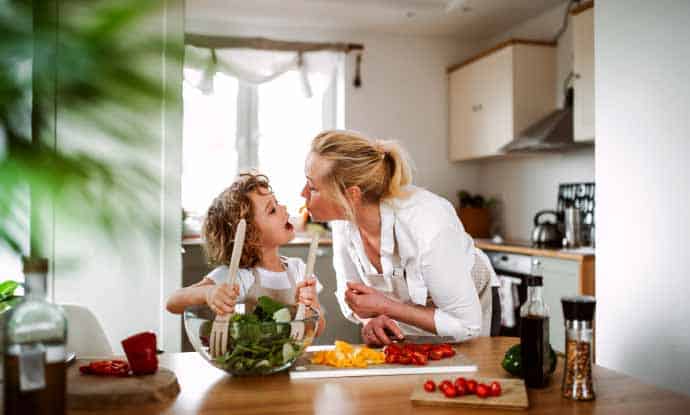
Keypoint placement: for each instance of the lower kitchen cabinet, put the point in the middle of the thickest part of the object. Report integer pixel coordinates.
(561, 278)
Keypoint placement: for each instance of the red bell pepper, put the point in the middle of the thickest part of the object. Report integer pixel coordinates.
(141, 353)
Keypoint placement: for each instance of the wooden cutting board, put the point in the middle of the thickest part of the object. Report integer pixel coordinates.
(103, 392)
(513, 395)
(304, 369)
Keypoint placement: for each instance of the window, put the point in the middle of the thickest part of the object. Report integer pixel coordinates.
(238, 126)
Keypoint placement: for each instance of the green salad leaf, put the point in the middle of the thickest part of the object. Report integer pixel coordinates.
(257, 342)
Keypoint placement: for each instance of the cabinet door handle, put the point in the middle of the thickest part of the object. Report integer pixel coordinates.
(321, 252)
(476, 108)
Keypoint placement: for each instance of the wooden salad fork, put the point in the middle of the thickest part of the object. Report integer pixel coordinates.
(219, 330)
(297, 327)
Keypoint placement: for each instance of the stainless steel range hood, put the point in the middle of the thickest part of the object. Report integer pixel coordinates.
(552, 133)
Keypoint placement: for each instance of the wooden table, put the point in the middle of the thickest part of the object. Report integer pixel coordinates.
(206, 390)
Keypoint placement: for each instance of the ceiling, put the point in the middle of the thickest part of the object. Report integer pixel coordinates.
(467, 19)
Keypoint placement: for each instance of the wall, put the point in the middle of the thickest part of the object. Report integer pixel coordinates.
(526, 185)
(403, 96)
(643, 178)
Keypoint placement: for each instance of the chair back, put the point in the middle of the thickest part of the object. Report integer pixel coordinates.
(85, 335)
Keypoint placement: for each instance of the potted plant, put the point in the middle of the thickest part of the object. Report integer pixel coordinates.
(79, 104)
(475, 213)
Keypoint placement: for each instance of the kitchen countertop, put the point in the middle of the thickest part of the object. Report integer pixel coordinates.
(523, 247)
(206, 390)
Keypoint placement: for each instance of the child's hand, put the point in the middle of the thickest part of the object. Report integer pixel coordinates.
(221, 298)
(306, 293)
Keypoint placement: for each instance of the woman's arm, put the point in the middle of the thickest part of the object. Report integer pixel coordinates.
(446, 266)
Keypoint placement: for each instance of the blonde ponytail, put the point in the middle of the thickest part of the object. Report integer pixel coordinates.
(380, 168)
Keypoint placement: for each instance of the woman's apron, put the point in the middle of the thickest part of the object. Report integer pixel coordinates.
(395, 287)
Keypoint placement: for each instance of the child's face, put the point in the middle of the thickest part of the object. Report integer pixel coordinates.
(271, 219)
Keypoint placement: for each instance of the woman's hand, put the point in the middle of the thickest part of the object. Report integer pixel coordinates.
(306, 293)
(221, 298)
(365, 301)
(379, 330)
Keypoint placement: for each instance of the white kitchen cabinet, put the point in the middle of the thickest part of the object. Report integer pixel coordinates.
(583, 66)
(496, 95)
(561, 278)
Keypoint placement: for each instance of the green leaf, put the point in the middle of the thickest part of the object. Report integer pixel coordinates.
(7, 289)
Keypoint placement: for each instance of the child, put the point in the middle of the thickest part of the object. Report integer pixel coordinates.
(262, 271)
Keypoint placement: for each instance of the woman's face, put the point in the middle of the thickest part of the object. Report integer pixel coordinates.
(272, 219)
(321, 206)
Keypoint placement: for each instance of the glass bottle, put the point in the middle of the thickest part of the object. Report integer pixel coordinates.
(578, 312)
(35, 336)
(534, 335)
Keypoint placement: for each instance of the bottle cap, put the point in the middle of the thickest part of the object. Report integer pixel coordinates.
(534, 281)
(579, 307)
(34, 264)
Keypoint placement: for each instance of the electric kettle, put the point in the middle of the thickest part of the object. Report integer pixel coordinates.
(546, 233)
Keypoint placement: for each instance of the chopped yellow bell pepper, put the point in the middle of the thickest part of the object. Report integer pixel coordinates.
(347, 355)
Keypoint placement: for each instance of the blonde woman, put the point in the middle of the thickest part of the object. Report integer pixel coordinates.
(403, 261)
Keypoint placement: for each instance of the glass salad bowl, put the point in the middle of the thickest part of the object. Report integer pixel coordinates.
(265, 341)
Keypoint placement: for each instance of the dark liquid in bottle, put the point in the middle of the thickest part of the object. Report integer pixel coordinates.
(534, 340)
(49, 400)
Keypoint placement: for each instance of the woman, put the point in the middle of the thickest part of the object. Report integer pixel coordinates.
(403, 261)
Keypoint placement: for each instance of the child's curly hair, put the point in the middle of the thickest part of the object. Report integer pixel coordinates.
(225, 213)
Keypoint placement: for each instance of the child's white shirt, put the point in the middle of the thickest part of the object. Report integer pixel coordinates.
(277, 280)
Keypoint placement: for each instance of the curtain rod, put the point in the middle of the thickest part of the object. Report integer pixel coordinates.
(232, 42)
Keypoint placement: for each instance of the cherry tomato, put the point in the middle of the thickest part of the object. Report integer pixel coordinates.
(404, 359)
(460, 382)
(429, 386)
(495, 388)
(471, 386)
(424, 348)
(393, 348)
(450, 391)
(419, 358)
(392, 358)
(447, 350)
(445, 383)
(436, 354)
(483, 391)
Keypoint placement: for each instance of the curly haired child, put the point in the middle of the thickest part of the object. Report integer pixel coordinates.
(262, 270)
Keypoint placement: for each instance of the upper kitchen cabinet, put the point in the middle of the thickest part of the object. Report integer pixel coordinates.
(497, 94)
(583, 66)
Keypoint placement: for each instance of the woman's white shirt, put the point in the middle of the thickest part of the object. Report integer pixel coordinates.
(276, 280)
(435, 252)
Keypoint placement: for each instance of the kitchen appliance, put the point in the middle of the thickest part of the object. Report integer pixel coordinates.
(512, 271)
(579, 347)
(580, 196)
(554, 132)
(573, 229)
(546, 233)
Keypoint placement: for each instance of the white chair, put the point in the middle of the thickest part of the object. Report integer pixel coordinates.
(85, 335)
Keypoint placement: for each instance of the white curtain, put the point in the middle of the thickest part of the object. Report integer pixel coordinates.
(258, 66)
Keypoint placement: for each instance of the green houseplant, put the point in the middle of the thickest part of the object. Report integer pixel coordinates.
(76, 102)
(475, 213)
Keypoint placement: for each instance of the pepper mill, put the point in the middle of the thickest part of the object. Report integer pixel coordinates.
(578, 312)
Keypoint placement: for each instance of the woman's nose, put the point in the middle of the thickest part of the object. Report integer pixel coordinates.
(305, 192)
